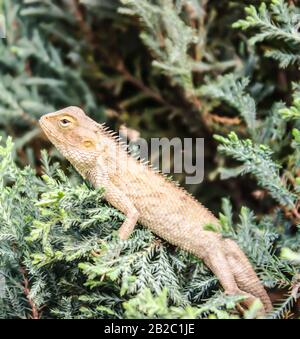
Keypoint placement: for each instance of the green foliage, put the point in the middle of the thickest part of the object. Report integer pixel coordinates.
(37, 76)
(231, 89)
(168, 37)
(293, 112)
(278, 22)
(289, 255)
(257, 161)
(59, 240)
(257, 240)
(146, 306)
(164, 68)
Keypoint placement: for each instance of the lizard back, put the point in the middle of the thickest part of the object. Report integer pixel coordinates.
(168, 210)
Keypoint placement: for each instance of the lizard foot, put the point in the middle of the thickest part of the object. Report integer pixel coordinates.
(246, 304)
(244, 275)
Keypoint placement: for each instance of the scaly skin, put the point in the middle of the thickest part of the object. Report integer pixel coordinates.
(146, 196)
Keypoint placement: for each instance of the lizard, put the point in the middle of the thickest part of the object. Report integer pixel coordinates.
(145, 196)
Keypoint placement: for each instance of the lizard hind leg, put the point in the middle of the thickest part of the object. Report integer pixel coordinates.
(222, 265)
(244, 273)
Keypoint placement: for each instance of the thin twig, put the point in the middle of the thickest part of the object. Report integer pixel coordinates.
(34, 309)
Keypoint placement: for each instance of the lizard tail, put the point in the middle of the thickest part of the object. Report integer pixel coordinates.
(244, 273)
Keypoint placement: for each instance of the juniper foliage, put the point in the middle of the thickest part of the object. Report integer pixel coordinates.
(166, 68)
(276, 22)
(61, 256)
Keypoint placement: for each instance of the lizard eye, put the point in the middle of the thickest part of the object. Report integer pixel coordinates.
(64, 122)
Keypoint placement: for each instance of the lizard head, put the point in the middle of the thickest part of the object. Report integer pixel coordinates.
(74, 134)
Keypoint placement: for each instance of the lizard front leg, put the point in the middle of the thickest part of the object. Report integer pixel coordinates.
(117, 198)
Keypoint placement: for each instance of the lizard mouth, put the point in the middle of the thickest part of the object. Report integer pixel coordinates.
(45, 128)
(52, 136)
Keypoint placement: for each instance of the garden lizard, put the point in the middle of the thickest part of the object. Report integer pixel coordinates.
(147, 197)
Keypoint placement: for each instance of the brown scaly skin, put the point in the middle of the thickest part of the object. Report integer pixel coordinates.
(147, 197)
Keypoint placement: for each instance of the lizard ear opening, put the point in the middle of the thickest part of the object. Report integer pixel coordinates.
(88, 143)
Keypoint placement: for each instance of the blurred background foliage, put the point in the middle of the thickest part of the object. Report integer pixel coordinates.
(163, 68)
(60, 53)
(146, 74)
